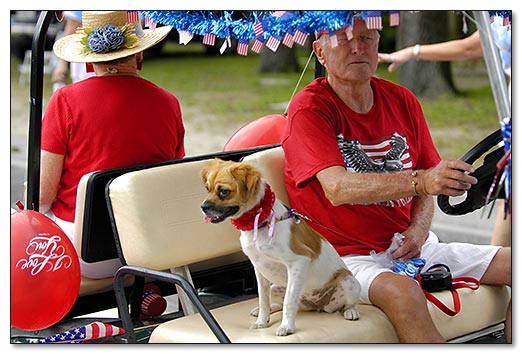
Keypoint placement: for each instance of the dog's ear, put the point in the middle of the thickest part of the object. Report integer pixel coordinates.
(209, 166)
(249, 176)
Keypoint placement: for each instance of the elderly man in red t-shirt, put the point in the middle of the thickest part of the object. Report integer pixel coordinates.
(360, 162)
(110, 120)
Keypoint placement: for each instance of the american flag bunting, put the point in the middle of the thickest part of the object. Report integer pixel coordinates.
(150, 23)
(93, 330)
(288, 40)
(242, 48)
(133, 16)
(278, 13)
(374, 20)
(258, 29)
(395, 18)
(300, 37)
(184, 36)
(257, 46)
(209, 39)
(273, 43)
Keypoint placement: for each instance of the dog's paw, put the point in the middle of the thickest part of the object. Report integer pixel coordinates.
(351, 314)
(285, 330)
(273, 308)
(259, 324)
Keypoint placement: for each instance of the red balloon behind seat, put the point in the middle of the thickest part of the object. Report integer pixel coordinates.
(262, 131)
(45, 271)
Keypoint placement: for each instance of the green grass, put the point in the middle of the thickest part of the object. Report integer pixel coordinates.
(228, 91)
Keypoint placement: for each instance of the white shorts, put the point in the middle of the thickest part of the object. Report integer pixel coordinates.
(95, 270)
(463, 259)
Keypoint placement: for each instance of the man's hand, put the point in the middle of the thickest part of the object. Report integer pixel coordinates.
(449, 177)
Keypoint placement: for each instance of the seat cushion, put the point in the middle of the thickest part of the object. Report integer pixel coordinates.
(480, 309)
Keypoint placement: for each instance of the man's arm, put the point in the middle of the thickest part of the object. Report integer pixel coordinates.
(449, 177)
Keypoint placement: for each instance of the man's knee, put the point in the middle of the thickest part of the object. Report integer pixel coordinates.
(499, 270)
(394, 291)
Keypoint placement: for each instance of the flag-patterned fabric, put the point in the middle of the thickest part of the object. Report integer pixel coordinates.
(93, 330)
(374, 20)
(209, 39)
(242, 48)
(257, 46)
(288, 40)
(133, 16)
(273, 43)
(150, 23)
(258, 29)
(184, 36)
(394, 18)
(300, 37)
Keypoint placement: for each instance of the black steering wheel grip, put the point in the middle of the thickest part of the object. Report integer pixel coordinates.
(476, 196)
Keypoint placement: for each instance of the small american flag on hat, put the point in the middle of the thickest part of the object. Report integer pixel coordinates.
(300, 37)
(258, 45)
(184, 36)
(374, 20)
(91, 331)
(278, 13)
(133, 16)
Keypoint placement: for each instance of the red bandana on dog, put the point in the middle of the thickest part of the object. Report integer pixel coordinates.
(248, 220)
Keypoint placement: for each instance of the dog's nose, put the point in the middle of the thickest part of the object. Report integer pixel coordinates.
(206, 206)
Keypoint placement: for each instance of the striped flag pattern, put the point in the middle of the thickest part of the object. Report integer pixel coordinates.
(257, 46)
(300, 37)
(374, 20)
(242, 48)
(209, 39)
(394, 18)
(273, 43)
(288, 40)
(258, 29)
(91, 331)
(150, 23)
(133, 16)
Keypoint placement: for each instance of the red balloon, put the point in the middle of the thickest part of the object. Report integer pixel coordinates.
(45, 271)
(266, 130)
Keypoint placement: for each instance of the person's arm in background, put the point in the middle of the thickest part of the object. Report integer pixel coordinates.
(459, 49)
(61, 70)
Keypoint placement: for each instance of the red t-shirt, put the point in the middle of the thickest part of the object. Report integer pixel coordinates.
(392, 136)
(108, 122)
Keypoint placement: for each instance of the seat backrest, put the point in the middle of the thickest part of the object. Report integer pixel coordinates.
(158, 219)
(93, 231)
(271, 164)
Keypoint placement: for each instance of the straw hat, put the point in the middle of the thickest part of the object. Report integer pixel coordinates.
(105, 36)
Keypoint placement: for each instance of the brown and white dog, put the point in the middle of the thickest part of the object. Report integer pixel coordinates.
(284, 250)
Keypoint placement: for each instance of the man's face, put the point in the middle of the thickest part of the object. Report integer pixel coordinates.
(353, 60)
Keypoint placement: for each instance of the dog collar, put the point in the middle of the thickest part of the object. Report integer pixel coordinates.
(250, 219)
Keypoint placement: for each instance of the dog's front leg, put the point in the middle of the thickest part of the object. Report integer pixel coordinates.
(297, 271)
(263, 286)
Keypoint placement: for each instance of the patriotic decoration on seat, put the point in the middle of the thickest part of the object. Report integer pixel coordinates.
(93, 330)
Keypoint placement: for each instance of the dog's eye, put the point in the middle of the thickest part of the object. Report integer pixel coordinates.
(223, 193)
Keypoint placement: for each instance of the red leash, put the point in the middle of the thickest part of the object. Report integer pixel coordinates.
(457, 283)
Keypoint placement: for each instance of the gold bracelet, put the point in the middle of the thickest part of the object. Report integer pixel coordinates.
(414, 182)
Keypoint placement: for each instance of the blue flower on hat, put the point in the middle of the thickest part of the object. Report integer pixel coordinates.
(103, 40)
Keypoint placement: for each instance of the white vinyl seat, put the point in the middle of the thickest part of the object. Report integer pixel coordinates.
(160, 226)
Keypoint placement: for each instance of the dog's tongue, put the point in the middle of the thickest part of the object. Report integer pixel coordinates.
(207, 218)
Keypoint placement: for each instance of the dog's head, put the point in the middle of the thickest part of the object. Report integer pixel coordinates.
(233, 188)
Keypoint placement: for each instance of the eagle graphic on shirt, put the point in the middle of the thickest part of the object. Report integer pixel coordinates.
(389, 155)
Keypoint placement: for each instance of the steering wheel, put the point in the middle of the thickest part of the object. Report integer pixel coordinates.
(477, 194)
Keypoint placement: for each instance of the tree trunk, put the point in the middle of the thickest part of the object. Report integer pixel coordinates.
(282, 60)
(424, 78)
